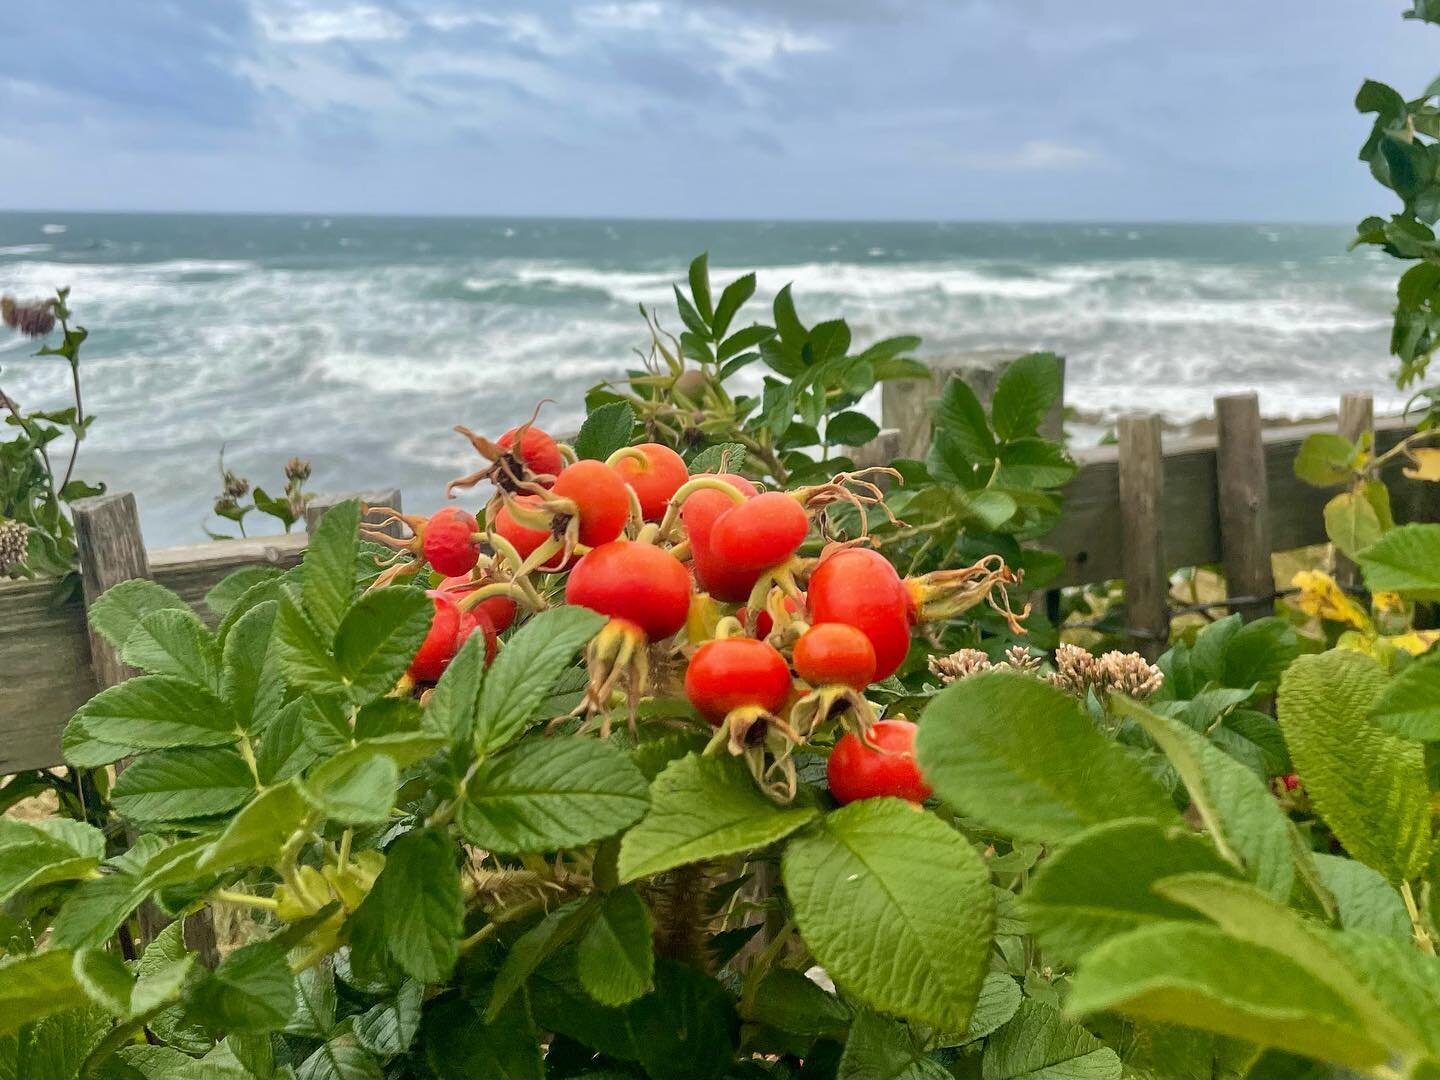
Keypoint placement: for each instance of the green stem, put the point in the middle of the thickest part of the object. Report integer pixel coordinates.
(507, 916)
(1423, 940)
(264, 903)
(79, 411)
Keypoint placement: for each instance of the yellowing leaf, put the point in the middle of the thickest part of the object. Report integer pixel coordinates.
(1415, 642)
(1427, 465)
(1322, 597)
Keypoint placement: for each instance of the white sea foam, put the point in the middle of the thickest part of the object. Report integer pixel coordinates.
(24, 249)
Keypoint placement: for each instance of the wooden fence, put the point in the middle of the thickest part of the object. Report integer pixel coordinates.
(1131, 512)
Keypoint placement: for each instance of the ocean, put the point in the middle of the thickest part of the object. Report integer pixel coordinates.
(358, 342)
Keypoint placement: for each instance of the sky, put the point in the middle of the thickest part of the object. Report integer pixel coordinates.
(870, 109)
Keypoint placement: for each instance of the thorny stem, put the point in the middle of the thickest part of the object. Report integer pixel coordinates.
(760, 966)
(509, 915)
(1423, 941)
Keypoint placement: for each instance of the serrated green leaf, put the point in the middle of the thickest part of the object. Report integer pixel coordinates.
(732, 298)
(1250, 916)
(1028, 388)
(120, 608)
(174, 642)
(283, 751)
(413, 914)
(1351, 523)
(703, 808)
(460, 1045)
(378, 637)
(1020, 756)
(605, 430)
(999, 1000)
(104, 979)
(1368, 784)
(34, 986)
(896, 906)
(151, 712)
(1099, 885)
(257, 833)
(175, 785)
(304, 650)
(552, 933)
(1409, 706)
(790, 1001)
(329, 566)
(877, 1048)
(224, 595)
(389, 1028)
(342, 1058)
(1198, 976)
(250, 681)
(960, 419)
(616, 956)
(355, 788)
(1235, 805)
(44, 852)
(1405, 560)
(850, 429)
(1365, 900)
(1033, 463)
(552, 794)
(1041, 1044)
(526, 670)
(723, 457)
(252, 990)
(450, 712)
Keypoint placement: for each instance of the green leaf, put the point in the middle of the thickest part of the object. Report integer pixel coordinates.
(850, 429)
(732, 299)
(1034, 463)
(1257, 654)
(304, 650)
(450, 712)
(747, 337)
(552, 794)
(414, 912)
(881, 1049)
(1366, 901)
(173, 642)
(250, 681)
(151, 712)
(227, 592)
(616, 956)
(342, 1058)
(1325, 459)
(700, 285)
(119, 610)
(389, 1028)
(896, 906)
(46, 851)
(1235, 806)
(378, 638)
(1351, 523)
(1098, 885)
(34, 986)
(686, 1029)
(722, 457)
(329, 566)
(1025, 393)
(960, 418)
(1405, 560)
(174, 785)
(703, 808)
(526, 670)
(257, 834)
(1041, 1044)
(791, 1002)
(94, 910)
(605, 430)
(251, 991)
(459, 1045)
(1020, 756)
(999, 1000)
(283, 752)
(1368, 784)
(1197, 976)
(356, 787)
(532, 948)
(1409, 706)
(1252, 917)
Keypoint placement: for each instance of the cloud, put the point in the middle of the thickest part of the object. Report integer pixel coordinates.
(297, 24)
(1033, 155)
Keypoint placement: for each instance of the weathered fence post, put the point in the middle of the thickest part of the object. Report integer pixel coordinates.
(1357, 418)
(387, 497)
(1142, 490)
(111, 550)
(1244, 503)
(905, 404)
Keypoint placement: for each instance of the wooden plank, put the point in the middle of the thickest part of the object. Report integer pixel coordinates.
(384, 497)
(1142, 494)
(1088, 534)
(112, 550)
(1357, 419)
(194, 569)
(1244, 503)
(45, 673)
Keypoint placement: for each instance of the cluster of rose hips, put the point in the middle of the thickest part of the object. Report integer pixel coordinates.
(704, 571)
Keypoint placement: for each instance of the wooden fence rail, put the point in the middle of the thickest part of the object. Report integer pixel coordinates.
(1170, 516)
